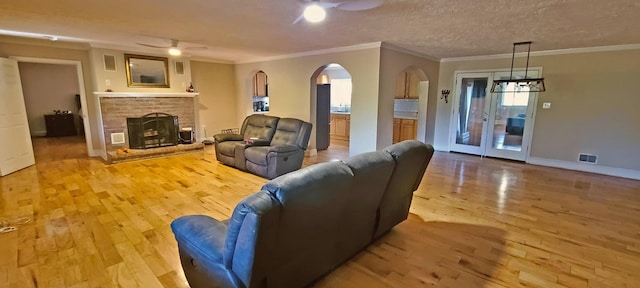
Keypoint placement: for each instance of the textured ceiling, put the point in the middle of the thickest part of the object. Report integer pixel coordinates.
(238, 30)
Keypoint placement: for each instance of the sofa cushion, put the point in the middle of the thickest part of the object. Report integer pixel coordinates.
(372, 172)
(228, 148)
(259, 126)
(257, 155)
(313, 200)
(412, 158)
(287, 131)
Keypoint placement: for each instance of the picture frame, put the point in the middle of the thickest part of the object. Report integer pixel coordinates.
(147, 71)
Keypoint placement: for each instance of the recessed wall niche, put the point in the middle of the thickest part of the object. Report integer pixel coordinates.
(109, 62)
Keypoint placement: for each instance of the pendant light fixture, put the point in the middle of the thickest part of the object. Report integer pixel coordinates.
(534, 84)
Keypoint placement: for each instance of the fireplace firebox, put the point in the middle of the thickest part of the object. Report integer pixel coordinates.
(153, 130)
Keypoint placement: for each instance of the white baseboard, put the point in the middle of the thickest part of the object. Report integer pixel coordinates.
(311, 152)
(95, 153)
(593, 168)
(441, 148)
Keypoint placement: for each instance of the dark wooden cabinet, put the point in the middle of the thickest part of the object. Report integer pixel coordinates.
(60, 125)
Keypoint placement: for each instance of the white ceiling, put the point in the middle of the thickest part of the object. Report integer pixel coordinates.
(239, 30)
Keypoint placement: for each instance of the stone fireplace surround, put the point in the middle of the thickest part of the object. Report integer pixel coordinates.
(115, 107)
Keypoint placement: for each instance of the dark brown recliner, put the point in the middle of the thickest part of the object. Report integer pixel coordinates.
(276, 145)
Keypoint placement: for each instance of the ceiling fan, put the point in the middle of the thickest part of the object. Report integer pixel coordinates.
(174, 48)
(315, 10)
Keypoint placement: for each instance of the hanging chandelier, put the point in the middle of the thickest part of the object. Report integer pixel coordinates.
(533, 84)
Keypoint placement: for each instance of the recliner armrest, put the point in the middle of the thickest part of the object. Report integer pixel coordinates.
(227, 137)
(202, 235)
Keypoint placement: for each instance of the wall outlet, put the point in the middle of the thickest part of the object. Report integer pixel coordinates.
(107, 82)
(546, 105)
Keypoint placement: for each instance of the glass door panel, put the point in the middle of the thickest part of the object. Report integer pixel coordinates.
(510, 113)
(472, 105)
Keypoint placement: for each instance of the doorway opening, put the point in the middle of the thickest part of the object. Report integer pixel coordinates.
(492, 124)
(410, 105)
(56, 106)
(331, 90)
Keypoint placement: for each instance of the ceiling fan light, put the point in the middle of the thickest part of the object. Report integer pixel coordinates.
(314, 13)
(174, 51)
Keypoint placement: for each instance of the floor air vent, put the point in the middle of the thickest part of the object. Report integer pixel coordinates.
(587, 158)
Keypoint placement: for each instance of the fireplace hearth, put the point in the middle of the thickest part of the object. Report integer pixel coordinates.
(152, 130)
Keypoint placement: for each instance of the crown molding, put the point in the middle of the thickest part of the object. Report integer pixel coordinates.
(313, 52)
(135, 49)
(210, 60)
(546, 53)
(392, 47)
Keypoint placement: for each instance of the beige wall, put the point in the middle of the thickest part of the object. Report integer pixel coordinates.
(217, 101)
(290, 89)
(12, 46)
(48, 87)
(392, 64)
(594, 102)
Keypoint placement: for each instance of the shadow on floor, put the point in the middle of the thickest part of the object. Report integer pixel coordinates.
(418, 254)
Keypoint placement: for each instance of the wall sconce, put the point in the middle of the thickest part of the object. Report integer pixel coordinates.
(445, 95)
(324, 79)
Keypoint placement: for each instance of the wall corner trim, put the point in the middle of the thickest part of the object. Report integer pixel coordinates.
(598, 169)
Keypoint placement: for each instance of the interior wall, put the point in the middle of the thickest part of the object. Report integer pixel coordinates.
(48, 87)
(14, 46)
(217, 102)
(594, 98)
(392, 64)
(289, 91)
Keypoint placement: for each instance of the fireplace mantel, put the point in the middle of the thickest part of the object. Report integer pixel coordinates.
(146, 94)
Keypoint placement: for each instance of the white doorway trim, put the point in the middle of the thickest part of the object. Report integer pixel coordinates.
(83, 95)
(423, 102)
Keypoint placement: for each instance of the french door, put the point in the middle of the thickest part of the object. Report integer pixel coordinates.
(492, 124)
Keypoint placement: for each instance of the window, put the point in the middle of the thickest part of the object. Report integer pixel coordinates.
(341, 95)
(515, 98)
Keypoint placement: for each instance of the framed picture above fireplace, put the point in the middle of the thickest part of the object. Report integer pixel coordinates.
(147, 71)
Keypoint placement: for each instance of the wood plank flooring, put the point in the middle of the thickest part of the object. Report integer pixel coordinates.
(474, 223)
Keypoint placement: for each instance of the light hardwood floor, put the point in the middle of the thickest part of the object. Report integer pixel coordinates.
(474, 223)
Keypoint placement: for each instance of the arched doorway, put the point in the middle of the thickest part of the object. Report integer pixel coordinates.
(330, 106)
(410, 105)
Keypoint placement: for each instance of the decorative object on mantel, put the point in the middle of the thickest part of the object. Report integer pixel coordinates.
(61, 112)
(191, 89)
(147, 71)
(108, 90)
(534, 84)
(445, 95)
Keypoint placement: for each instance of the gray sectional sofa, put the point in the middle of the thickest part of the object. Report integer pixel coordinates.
(304, 224)
(275, 145)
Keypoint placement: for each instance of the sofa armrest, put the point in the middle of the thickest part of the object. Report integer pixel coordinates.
(202, 236)
(227, 137)
(258, 142)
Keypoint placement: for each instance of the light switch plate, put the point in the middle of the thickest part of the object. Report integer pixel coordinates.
(546, 105)
(107, 82)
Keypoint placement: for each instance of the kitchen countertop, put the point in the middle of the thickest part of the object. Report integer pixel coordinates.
(405, 115)
(396, 114)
